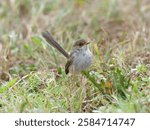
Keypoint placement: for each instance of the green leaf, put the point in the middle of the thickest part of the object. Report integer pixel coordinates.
(37, 40)
(93, 80)
(11, 83)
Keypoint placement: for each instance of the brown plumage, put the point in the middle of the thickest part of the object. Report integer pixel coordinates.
(80, 57)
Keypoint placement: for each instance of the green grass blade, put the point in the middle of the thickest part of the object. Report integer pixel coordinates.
(11, 83)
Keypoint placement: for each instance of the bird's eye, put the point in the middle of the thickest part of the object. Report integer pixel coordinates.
(81, 43)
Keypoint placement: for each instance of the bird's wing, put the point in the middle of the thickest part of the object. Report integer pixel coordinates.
(68, 64)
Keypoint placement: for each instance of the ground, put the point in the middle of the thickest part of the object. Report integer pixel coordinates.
(32, 77)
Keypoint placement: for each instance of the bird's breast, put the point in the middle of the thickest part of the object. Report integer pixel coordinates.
(82, 60)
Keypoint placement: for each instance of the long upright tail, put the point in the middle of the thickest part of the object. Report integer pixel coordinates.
(48, 37)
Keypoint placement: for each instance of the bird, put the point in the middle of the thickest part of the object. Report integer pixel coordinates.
(80, 58)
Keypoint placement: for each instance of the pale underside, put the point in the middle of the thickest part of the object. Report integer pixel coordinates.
(79, 60)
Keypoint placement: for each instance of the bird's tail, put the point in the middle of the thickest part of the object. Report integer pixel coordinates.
(48, 37)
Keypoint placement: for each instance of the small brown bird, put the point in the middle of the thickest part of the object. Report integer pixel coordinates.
(79, 59)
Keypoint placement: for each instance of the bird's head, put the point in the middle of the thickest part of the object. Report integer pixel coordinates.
(81, 43)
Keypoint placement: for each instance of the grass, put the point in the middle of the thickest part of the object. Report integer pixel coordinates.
(32, 77)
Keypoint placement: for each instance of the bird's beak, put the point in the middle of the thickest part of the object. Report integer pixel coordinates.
(88, 43)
